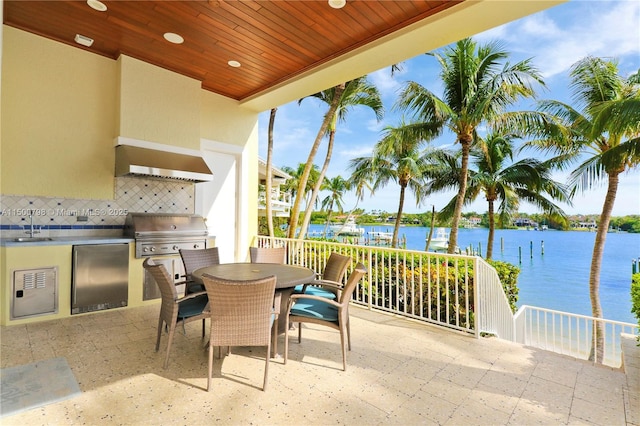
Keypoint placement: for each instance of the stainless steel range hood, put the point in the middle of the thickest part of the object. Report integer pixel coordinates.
(134, 161)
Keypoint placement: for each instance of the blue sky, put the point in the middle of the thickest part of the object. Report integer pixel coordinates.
(555, 39)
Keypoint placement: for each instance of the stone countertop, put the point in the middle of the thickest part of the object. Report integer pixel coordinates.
(64, 241)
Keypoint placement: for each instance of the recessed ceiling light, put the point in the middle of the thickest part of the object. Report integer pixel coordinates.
(97, 5)
(337, 4)
(83, 40)
(234, 64)
(173, 38)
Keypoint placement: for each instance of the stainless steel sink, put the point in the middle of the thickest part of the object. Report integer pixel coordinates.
(31, 239)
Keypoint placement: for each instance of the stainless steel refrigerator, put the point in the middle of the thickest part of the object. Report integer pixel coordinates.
(100, 277)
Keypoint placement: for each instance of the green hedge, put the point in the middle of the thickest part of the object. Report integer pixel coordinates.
(635, 296)
(508, 274)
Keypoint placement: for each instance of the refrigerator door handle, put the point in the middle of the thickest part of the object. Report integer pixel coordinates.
(73, 280)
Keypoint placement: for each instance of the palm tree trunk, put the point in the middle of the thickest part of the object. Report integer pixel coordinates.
(326, 224)
(492, 229)
(302, 184)
(316, 187)
(394, 239)
(462, 190)
(267, 186)
(597, 350)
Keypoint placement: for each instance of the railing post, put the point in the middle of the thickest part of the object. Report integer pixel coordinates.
(476, 297)
(369, 276)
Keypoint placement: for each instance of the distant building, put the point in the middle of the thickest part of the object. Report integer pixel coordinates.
(280, 200)
(585, 225)
(470, 222)
(524, 222)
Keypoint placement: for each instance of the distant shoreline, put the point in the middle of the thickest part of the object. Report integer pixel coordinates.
(523, 228)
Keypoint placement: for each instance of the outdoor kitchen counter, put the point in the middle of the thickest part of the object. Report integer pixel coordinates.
(63, 241)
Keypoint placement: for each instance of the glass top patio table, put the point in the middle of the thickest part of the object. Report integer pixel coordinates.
(287, 276)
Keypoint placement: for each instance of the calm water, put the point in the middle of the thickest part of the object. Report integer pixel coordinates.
(559, 279)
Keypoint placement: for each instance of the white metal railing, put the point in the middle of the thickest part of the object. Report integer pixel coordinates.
(433, 287)
(492, 307)
(569, 334)
(456, 291)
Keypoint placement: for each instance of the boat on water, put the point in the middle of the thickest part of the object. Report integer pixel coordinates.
(440, 240)
(348, 228)
(380, 236)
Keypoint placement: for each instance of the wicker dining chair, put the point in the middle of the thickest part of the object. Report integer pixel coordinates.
(267, 255)
(329, 280)
(242, 314)
(196, 259)
(323, 311)
(175, 310)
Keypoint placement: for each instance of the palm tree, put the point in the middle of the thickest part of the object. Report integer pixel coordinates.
(308, 166)
(500, 179)
(396, 157)
(357, 92)
(293, 185)
(477, 89)
(603, 134)
(336, 186)
(269, 173)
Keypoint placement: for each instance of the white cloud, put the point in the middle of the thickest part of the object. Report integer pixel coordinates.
(386, 84)
(557, 40)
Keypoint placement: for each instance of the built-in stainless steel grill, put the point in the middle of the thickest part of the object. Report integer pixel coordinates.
(159, 234)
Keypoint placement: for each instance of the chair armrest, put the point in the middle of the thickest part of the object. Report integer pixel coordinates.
(191, 296)
(327, 283)
(295, 297)
(333, 284)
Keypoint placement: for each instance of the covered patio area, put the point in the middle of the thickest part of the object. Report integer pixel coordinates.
(399, 371)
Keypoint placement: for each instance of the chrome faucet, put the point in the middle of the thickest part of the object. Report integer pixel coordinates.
(31, 230)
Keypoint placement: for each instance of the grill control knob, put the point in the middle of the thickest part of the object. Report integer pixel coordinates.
(152, 249)
(145, 250)
(196, 246)
(175, 248)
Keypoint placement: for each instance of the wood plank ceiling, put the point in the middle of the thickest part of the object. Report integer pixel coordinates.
(272, 40)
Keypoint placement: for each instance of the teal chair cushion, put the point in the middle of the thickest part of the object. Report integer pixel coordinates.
(315, 309)
(192, 307)
(315, 291)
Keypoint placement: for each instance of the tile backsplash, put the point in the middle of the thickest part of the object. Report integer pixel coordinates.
(59, 217)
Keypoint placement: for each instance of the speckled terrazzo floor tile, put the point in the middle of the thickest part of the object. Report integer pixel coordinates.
(399, 372)
(602, 415)
(476, 413)
(429, 406)
(467, 376)
(551, 395)
(600, 377)
(557, 372)
(425, 367)
(504, 382)
(493, 398)
(529, 412)
(406, 384)
(406, 417)
(611, 396)
(446, 390)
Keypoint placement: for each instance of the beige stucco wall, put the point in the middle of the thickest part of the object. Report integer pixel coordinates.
(225, 120)
(157, 105)
(58, 120)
